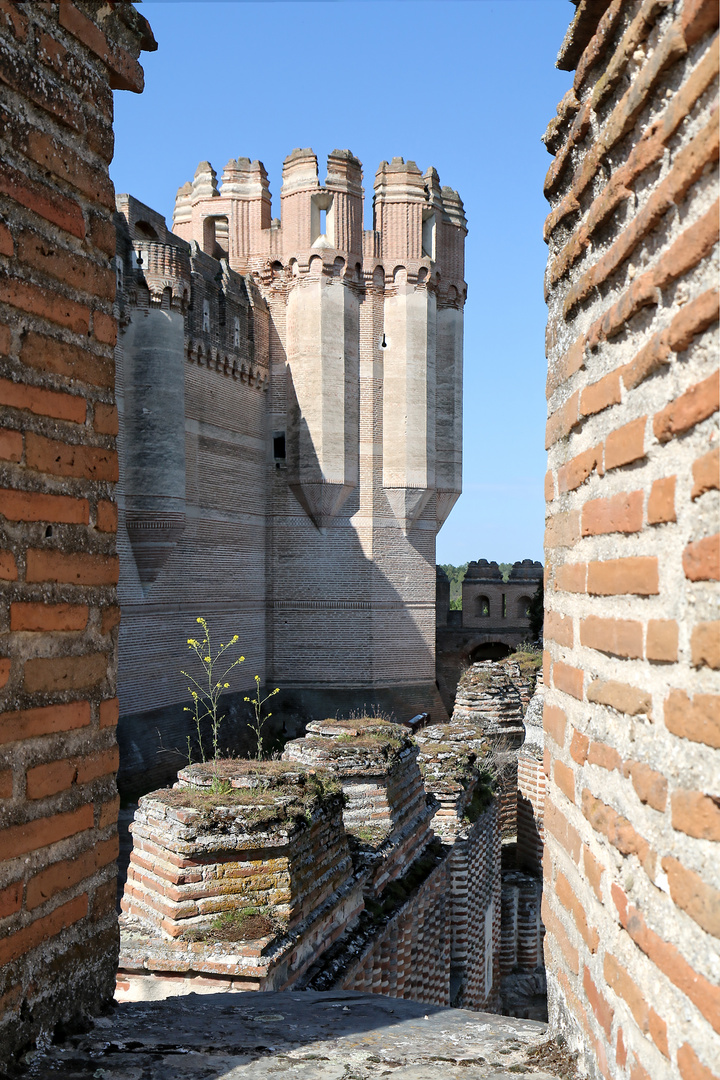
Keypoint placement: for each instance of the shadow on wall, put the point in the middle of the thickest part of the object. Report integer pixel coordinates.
(329, 654)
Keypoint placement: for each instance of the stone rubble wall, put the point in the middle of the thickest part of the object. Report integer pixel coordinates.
(59, 64)
(632, 866)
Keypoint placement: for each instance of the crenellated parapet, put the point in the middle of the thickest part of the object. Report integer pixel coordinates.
(319, 271)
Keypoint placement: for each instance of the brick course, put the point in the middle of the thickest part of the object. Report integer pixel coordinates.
(58, 67)
(632, 694)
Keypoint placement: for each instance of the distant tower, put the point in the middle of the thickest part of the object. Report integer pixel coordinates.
(364, 424)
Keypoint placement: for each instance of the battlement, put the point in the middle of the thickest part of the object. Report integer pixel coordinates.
(416, 221)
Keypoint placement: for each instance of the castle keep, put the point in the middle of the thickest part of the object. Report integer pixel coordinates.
(290, 400)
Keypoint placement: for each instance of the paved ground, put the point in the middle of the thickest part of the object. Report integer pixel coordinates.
(295, 1036)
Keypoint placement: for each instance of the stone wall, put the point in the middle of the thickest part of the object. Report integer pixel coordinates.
(191, 381)
(632, 889)
(58, 64)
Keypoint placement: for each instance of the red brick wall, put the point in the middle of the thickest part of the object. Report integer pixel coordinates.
(58, 568)
(632, 892)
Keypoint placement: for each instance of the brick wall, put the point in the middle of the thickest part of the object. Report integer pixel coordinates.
(58, 931)
(632, 890)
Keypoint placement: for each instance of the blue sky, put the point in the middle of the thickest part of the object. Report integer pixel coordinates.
(465, 85)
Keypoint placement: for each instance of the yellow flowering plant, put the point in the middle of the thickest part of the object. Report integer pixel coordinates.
(205, 691)
(257, 725)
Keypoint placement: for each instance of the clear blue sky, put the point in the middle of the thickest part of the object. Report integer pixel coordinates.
(465, 85)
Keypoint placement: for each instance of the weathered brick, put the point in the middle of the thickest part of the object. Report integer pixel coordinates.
(593, 871)
(700, 900)
(697, 718)
(661, 501)
(599, 753)
(619, 831)
(618, 513)
(562, 530)
(11, 899)
(579, 747)
(41, 199)
(58, 877)
(706, 474)
(110, 619)
(696, 814)
(625, 444)
(105, 418)
(565, 780)
(74, 270)
(48, 564)
(50, 675)
(107, 516)
(650, 785)
(124, 71)
(47, 617)
(109, 712)
(648, 1021)
(690, 1065)
(705, 645)
(50, 778)
(65, 459)
(598, 1004)
(566, 834)
(6, 783)
(31, 723)
(8, 566)
(691, 408)
(577, 470)
(661, 642)
(704, 995)
(104, 328)
(59, 358)
(571, 577)
(701, 559)
(558, 628)
(11, 445)
(568, 679)
(29, 937)
(554, 723)
(40, 833)
(45, 303)
(601, 394)
(555, 927)
(619, 637)
(613, 577)
(32, 506)
(566, 895)
(620, 696)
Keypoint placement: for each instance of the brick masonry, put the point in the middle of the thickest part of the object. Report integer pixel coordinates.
(632, 886)
(58, 800)
(334, 844)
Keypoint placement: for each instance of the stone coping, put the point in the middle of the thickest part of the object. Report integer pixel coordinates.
(307, 1035)
(367, 746)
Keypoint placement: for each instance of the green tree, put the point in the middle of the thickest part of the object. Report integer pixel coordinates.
(536, 612)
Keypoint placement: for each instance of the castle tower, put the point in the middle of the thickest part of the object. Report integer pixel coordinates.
(363, 415)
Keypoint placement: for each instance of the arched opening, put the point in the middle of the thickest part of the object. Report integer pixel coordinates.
(490, 650)
(144, 231)
(482, 604)
(523, 605)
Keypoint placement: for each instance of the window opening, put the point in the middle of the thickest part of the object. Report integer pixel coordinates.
(236, 333)
(428, 237)
(504, 606)
(206, 317)
(323, 222)
(279, 445)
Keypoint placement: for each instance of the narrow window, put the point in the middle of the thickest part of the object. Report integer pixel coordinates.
(206, 317)
(323, 222)
(504, 606)
(428, 237)
(236, 333)
(118, 275)
(279, 445)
